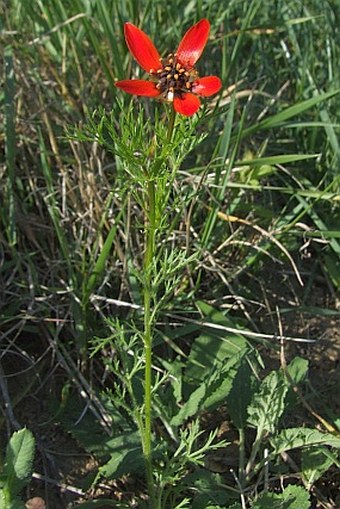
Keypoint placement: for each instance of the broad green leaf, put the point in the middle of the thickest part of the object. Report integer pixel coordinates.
(221, 382)
(211, 349)
(315, 462)
(19, 460)
(292, 438)
(268, 403)
(126, 456)
(297, 369)
(190, 407)
(240, 394)
(211, 392)
(208, 488)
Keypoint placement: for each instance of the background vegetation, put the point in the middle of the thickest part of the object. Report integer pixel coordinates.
(256, 200)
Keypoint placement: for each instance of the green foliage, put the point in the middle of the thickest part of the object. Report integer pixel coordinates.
(246, 190)
(315, 462)
(240, 395)
(126, 456)
(17, 469)
(292, 497)
(268, 403)
(210, 491)
(291, 438)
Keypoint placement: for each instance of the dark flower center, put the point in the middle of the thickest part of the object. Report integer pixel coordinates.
(173, 78)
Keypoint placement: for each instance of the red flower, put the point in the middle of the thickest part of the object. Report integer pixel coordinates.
(172, 79)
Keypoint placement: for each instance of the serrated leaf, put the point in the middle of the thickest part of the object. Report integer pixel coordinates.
(19, 460)
(296, 496)
(293, 497)
(315, 462)
(292, 438)
(268, 501)
(268, 403)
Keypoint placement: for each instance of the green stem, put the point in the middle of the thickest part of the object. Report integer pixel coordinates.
(148, 329)
(149, 271)
(171, 124)
(241, 455)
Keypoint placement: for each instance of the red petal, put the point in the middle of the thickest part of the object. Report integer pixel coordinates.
(192, 45)
(209, 85)
(187, 105)
(138, 87)
(142, 48)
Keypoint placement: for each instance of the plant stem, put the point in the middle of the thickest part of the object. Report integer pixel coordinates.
(171, 124)
(149, 271)
(148, 330)
(241, 455)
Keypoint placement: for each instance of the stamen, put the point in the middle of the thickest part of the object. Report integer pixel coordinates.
(170, 94)
(173, 79)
